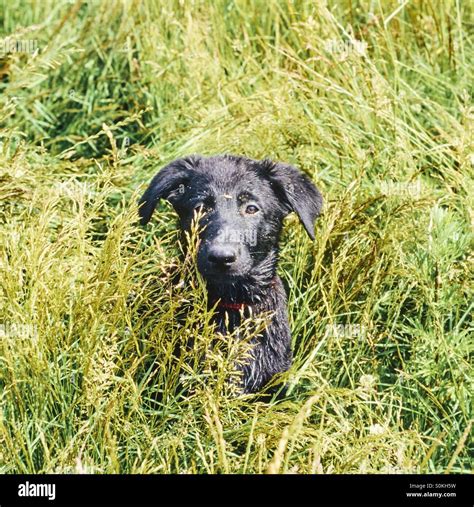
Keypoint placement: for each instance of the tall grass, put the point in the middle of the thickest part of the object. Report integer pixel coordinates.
(372, 99)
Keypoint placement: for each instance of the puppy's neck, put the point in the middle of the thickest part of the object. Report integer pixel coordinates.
(250, 290)
(242, 295)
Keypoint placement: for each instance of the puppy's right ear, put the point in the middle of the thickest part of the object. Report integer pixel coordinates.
(168, 183)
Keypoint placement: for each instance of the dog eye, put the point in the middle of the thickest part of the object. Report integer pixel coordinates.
(251, 209)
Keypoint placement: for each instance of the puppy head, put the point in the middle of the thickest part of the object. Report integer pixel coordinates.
(241, 203)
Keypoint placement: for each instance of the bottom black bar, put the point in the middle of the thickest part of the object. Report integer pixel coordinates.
(137, 490)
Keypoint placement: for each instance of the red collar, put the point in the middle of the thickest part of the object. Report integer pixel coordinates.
(241, 306)
(232, 306)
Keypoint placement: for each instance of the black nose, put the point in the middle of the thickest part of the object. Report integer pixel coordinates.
(223, 255)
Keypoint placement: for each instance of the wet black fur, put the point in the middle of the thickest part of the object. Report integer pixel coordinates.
(238, 252)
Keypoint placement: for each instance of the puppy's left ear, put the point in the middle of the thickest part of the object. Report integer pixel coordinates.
(297, 192)
(166, 185)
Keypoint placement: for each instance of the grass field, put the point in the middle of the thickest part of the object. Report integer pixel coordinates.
(372, 99)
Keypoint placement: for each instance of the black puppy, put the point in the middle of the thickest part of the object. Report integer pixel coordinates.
(242, 204)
